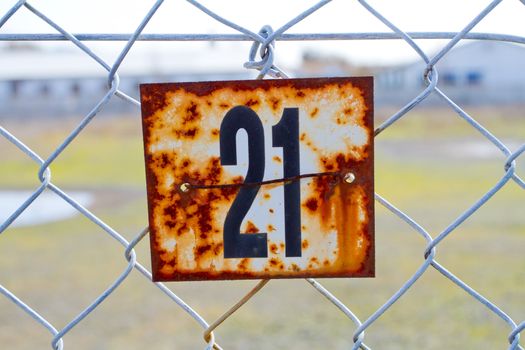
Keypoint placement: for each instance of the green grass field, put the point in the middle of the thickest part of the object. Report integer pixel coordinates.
(428, 164)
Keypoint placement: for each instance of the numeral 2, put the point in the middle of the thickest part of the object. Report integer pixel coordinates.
(285, 134)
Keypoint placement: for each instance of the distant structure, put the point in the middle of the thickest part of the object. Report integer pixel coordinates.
(319, 64)
(477, 73)
(36, 82)
(41, 83)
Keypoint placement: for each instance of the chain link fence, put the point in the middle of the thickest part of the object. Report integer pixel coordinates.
(263, 42)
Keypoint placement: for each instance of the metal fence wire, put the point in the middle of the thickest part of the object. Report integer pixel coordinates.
(266, 66)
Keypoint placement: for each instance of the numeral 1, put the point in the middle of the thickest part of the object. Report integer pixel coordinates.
(285, 134)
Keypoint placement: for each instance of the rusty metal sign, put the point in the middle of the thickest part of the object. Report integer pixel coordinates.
(260, 179)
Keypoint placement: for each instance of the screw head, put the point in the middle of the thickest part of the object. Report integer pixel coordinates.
(349, 178)
(185, 187)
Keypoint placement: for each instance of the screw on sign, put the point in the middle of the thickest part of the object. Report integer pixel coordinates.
(260, 179)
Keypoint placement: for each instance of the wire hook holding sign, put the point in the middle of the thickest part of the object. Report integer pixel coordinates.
(266, 52)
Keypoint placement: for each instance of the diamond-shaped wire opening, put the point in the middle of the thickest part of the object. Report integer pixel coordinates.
(267, 314)
(74, 261)
(444, 314)
(17, 169)
(90, 160)
(96, 101)
(490, 240)
(17, 327)
(441, 303)
(448, 149)
(72, 232)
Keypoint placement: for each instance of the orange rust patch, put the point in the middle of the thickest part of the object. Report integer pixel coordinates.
(274, 261)
(186, 133)
(304, 138)
(327, 164)
(275, 103)
(305, 244)
(218, 248)
(252, 102)
(270, 228)
(192, 112)
(294, 267)
(274, 248)
(251, 228)
(267, 196)
(243, 264)
(277, 159)
(153, 100)
(271, 211)
(201, 250)
(314, 112)
(311, 204)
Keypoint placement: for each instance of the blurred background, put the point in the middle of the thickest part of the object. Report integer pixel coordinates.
(431, 164)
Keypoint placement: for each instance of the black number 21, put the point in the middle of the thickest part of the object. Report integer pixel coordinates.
(285, 134)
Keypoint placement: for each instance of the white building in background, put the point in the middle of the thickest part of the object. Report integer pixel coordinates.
(36, 82)
(481, 72)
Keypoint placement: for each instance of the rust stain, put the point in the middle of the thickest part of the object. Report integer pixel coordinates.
(250, 228)
(276, 263)
(303, 136)
(275, 103)
(252, 102)
(311, 204)
(295, 268)
(305, 244)
(192, 113)
(305, 139)
(244, 264)
(181, 123)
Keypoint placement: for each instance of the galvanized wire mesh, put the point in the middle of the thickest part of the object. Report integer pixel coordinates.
(263, 42)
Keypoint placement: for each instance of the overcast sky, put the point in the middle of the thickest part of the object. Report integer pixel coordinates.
(177, 16)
